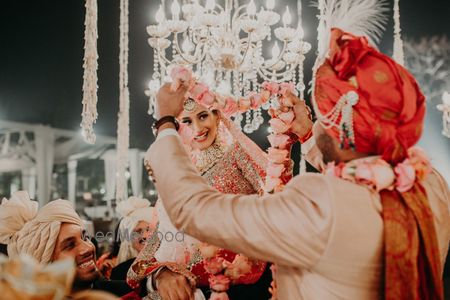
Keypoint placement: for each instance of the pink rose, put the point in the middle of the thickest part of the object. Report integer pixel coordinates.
(287, 87)
(186, 133)
(278, 140)
(278, 126)
(197, 90)
(241, 265)
(219, 296)
(287, 117)
(207, 251)
(363, 172)
(219, 283)
(278, 156)
(406, 175)
(265, 95)
(255, 100)
(272, 184)
(244, 104)
(220, 102)
(179, 76)
(384, 176)
(420, 161)
(206, 99)
(332, 170)
(231, 107)
(274, 170)
(272, 87)
(213, 265)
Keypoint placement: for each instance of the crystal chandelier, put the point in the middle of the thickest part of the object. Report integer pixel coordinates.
(445, 108)
(224, 46)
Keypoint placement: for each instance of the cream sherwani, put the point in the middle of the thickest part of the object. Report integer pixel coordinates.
(325, 234)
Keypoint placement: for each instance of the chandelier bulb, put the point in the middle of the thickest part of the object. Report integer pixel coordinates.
(175, 9)
(275, 51)
(251, 8)
(270, 4)
(160, 15)
(287, 19)
(210, 4)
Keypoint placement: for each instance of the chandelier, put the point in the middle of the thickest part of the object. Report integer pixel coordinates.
(445, 108)
(225, 47)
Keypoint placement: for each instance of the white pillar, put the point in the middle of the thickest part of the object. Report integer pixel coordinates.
(44, 139)
(136, 168)
(29, 181)
(72, 180)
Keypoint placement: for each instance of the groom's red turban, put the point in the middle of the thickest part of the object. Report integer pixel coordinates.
(388, 117)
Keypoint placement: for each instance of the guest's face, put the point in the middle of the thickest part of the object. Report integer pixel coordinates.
(204, 124)
(141, 233)
(72, 242)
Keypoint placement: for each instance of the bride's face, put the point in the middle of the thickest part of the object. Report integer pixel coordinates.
(203, 123)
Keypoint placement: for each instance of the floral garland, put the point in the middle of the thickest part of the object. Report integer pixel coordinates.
(379, 175)
(278, 171)
(90, 65)
(222, 272)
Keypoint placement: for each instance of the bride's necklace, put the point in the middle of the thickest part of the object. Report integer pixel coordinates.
(208, 157)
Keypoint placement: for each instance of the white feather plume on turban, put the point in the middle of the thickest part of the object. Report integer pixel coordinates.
(132, 212)
(25, 229)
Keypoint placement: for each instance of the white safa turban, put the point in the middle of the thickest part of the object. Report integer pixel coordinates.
(25, 229)
(132, 212)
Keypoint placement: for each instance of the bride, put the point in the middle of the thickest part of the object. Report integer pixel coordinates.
(232, 164)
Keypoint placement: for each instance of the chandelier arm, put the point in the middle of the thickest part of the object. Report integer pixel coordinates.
(249, 43)
(279, 58)
(163, 58)
(236, 16)
(274, 76)
(177, 47)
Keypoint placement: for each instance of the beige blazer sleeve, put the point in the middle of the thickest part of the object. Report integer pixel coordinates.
(289, 228)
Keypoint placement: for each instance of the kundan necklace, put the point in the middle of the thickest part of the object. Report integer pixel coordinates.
(205, 159)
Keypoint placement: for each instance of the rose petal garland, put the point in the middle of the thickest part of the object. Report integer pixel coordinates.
(278, 171)
(379, 175)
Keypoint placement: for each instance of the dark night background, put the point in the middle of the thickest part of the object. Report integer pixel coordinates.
(41, 58)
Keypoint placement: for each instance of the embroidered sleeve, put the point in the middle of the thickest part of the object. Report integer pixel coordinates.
(145, 259)
(248, 168)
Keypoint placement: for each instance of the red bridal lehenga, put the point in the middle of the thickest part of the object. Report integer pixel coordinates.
(233, 164)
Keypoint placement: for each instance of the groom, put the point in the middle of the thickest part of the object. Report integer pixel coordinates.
(330, 238)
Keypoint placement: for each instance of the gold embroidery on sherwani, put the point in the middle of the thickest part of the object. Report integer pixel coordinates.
(380, 77)
(388, 115)
(352, 80)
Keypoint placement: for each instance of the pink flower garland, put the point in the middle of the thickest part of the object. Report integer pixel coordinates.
(280, 139)
(379, 175)
(222, 272)
(278, 169)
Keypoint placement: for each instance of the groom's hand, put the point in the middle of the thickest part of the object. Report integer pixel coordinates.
(302, 124)
(168, 102)
(173, 286)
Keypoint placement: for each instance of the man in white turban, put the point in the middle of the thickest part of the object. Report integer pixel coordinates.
(53, 233)
(139, 221)
(25, 229)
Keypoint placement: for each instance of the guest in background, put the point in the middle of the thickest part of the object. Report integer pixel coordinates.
(139, 221)
(53, 233)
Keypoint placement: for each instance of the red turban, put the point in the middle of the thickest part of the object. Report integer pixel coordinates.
(388, 117)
